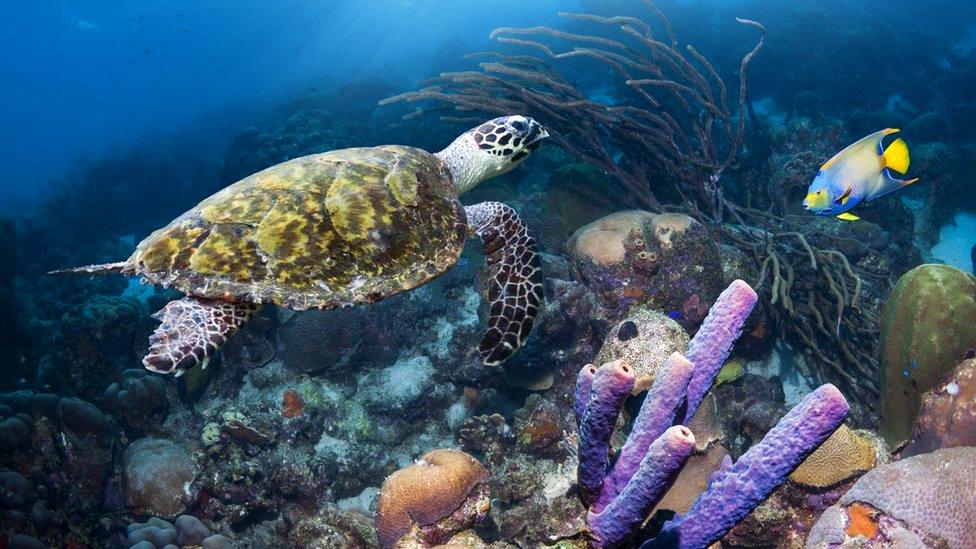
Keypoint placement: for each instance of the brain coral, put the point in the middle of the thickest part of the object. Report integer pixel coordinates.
(947, 417)
(927, 500)
(929, 323)
(845, 454)
(433, 488)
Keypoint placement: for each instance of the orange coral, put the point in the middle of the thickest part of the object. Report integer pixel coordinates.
(432, 488)
(292, 404)
(863, 520)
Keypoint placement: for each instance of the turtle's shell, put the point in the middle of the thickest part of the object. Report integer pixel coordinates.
(325, 230)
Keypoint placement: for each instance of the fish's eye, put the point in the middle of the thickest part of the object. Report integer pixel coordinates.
(519, 125)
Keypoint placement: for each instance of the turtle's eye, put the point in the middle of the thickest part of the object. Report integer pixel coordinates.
(518, 125)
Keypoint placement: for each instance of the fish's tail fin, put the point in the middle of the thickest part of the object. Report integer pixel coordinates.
(104, 268)
(896, 156)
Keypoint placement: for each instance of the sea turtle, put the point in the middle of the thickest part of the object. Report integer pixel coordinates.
(337, 229)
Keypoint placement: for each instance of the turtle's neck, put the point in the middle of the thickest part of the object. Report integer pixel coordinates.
(466, 163)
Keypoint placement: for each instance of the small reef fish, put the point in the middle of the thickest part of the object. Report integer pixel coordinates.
(862, 172)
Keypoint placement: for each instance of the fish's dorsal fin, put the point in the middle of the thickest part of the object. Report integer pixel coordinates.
(895, 156)
(847, 216)
(870, 142)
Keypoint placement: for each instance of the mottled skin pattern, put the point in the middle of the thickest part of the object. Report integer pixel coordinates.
(515, 283)
(191, 331)
(338, 229)
(320, 231)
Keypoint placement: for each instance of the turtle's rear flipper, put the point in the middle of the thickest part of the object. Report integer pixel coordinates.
(192, 330)
(514, 282)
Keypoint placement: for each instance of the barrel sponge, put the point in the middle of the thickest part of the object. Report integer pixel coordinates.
(431, 489)
(930, 498)
(844, 455)
(929, 323)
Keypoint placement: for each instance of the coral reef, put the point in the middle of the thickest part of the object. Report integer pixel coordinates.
(929, 323)
(98, 339)
(926, 500)
(443, 493)
(310, 341)
(655, 451)
(55, 456)
(670, 137)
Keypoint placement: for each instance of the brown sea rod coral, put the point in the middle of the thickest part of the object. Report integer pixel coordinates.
(441, 494)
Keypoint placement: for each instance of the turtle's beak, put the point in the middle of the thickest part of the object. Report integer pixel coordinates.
(535, 134)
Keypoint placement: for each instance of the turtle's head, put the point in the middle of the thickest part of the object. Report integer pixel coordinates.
(491, 149)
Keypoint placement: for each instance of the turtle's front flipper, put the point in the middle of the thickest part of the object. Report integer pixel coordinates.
(515, 278)
(192, 330)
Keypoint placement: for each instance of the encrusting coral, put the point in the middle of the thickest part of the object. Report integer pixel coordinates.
(443, 493)
(947, 417)
(657, 449)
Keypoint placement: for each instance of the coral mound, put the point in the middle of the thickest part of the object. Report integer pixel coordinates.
(158, 476)
(438, 486)
(929, 323)
(927, 500)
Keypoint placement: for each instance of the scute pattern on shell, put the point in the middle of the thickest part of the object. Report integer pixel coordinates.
(334, 229)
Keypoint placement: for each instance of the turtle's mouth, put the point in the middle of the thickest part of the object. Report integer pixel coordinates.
(535, 136)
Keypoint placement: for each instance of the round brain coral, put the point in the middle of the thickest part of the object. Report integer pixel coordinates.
(842, 456)
(433, 488)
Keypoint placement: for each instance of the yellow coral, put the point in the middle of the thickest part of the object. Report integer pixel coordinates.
(842, 456)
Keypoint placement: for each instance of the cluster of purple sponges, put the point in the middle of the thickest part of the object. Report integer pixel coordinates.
(620, 497)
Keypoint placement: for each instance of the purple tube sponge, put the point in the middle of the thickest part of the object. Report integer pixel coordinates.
(711, 346)
(611, 385)
(662, 462)
(655, 451)
(735, 490)
(584, 381)
(655, 416)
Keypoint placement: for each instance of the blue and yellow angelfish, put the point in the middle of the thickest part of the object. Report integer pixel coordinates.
(860, 173)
